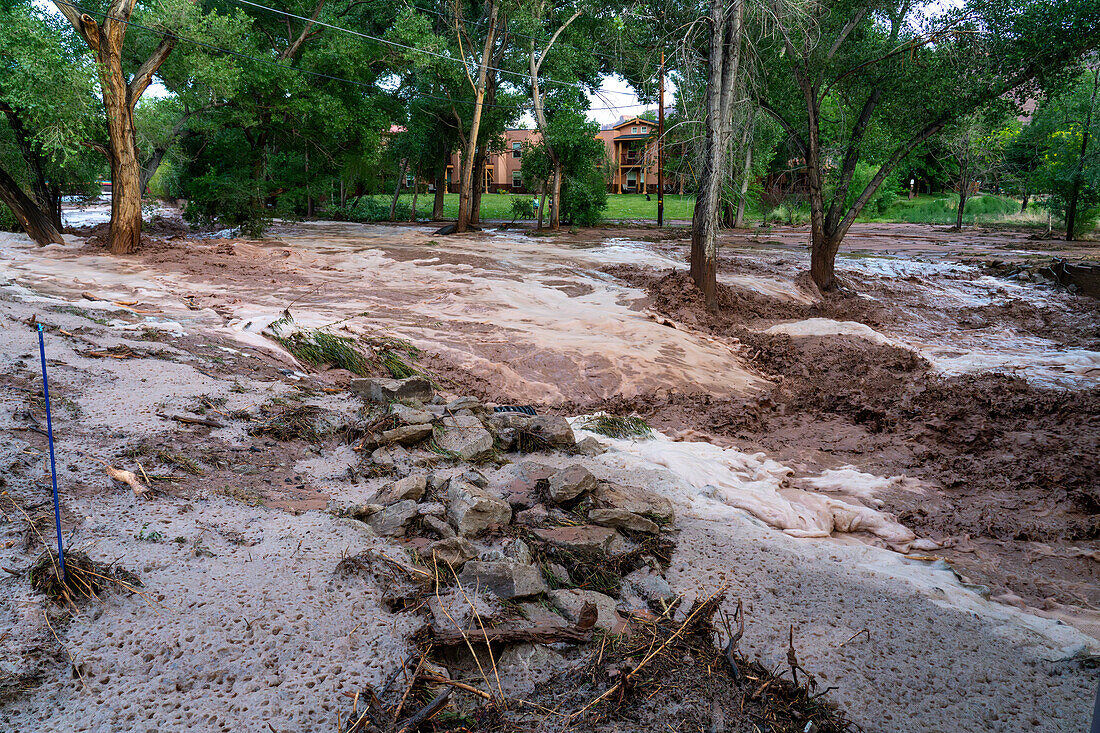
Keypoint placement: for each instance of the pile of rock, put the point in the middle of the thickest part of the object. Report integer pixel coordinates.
(549, 539)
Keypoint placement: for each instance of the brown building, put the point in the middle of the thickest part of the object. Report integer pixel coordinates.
(631, 147)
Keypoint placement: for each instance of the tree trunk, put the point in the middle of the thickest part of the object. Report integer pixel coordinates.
(416, 192)
(542, 205)
(440, 195)
(35, 222)
(964, 194)
(397, 189)
(465, 198)
(479, 189)
(555, 198)
(119, 99)
(1078, 171)
(823, 251)
(739, 217)
(725, 45)
(1023, 205)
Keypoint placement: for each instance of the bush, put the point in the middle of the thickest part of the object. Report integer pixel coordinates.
(583, 198)
(227, 201)
(8, 222)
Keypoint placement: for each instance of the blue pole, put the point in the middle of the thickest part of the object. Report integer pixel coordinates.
(53, 466)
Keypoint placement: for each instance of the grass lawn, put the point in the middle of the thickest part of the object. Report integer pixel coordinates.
(499, 205)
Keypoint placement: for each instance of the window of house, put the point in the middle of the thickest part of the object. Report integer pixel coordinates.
(645, 130)
(408, 180)
(517, 150)
(634, 131)
(517, 179)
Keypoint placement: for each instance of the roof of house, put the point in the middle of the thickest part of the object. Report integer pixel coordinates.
(633, 136)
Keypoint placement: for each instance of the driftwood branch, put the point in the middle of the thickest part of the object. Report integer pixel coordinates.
(581, 633)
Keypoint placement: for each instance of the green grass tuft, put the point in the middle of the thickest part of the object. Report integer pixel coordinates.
(614, 426)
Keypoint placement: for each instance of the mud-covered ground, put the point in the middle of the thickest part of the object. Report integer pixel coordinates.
(966, 399)
(1017, 500)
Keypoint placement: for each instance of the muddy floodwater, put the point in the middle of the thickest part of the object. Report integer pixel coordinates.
(936, 423)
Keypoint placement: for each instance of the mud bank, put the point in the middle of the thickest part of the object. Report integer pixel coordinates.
(1007, 468)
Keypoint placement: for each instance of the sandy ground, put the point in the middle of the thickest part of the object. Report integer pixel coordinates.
(244, 623)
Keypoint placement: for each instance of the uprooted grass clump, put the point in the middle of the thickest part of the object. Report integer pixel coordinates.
(615, 426)
(287, 422)
(596, 570)
(365, 355)
(84, 578)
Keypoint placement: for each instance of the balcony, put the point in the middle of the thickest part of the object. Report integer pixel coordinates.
(631, 159)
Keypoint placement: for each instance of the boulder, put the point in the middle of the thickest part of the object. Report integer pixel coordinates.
(633, 499)
(589, 447)
(432, 508)
(475, 477)
(570, 601)
(382, 390)
(505, 579)
(410, 415)
(529, 480)
(517, 550)
(509, 420)
(392, 521)
(363, 512)
(390, 456)
(454, 551)
(648, 585)
(568, 484)
(437, 525)
(522, 667)
(585, 538)
(551, 431)
(466, 437)
(463, 403)
(533, 517)
(406, 434)
(410, 487)
(622, 519)
(539, 615)
(472, 509)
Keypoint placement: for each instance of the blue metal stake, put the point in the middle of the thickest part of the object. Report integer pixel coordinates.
(53, 466)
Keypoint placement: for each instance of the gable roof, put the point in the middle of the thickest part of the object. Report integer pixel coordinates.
(634, 121)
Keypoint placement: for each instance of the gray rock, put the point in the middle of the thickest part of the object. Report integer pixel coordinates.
(517, 550)
(533, 517)
(406, 434)
(505, 579)
(382, 390)
(584, 539)
(453, 551)
(391, 521)
(650, 586)
(522, 667)
(410, 487)
(363, 512)
(465, 436)
(432, 508)
(463, 403)
(561, 575)
(437, 482)
(589, 447)
(570, 483)
(633, 499)
(475, 477)
(410, 415)
(551, 430)
(622, 519)
(390, 456)
(506, 438)
(437, 525)
(472, 509)
(540, 615)
(512, 420)
(570, 601)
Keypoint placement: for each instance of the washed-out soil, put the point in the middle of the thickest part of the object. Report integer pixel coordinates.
(1016, 483)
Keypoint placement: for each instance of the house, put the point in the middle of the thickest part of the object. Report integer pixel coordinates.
(631, 147)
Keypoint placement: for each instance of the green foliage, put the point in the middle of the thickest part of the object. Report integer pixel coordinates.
(615, 426)
(583, 197)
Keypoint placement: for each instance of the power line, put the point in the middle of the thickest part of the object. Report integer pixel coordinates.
(412, 48)
(288, 67)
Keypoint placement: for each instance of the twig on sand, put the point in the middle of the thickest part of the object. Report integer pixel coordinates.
(426, 713)
(191, 420)
(626, 678)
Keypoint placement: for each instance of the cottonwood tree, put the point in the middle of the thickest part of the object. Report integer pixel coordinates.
(725, 26)
(896, 72)
(121, 91)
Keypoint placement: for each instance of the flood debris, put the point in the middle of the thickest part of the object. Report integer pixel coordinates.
(84, 579)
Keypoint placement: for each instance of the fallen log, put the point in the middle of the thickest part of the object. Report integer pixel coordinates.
(580, 633)
(188, 419)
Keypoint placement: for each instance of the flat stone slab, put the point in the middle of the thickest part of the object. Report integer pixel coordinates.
(505, 579)
(584, 538)
(382, 390)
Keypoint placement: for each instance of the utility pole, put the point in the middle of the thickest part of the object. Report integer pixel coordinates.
(661, 147)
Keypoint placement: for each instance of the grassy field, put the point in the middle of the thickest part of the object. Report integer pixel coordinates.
(924, 209)
(499, 206)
